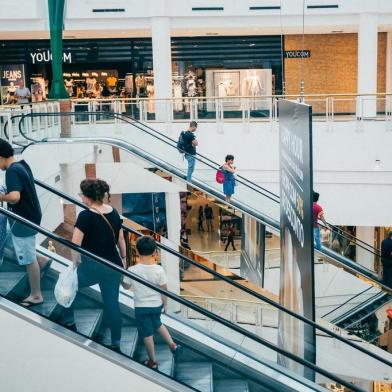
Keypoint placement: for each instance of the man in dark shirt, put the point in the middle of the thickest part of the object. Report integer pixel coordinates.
(22, 199)
(386, 259)
(190, 144)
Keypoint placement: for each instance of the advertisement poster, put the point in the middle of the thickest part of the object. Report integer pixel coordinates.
(296, 225)
(11, 76)
(252, 250)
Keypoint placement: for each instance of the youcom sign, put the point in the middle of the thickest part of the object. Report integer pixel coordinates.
(46, 57)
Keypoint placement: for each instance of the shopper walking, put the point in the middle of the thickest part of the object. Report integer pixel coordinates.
(98, 230)
(22, 199)
(209, 214)
(318, 214)
(188, 144)
(200, 219)
(149, 303)
(386, 260)
(230, 237)
(229, 182)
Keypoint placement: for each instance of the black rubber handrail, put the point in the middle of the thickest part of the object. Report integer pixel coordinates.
(181, 300)
(347, 263)
(252, 184)
(212, 164)
(346, 302)
(224, 278)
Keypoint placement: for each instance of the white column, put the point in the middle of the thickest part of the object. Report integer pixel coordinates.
(365, 257)
(161, 56)
(367, 62)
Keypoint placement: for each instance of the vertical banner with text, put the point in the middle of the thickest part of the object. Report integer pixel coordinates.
(296, 228)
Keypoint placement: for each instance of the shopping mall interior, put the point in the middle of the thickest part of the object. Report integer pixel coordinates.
(246, 145)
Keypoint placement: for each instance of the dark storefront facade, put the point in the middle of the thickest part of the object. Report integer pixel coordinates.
(202, 66)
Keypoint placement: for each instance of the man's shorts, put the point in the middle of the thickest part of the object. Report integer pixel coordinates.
(24, 248)
(148, 320)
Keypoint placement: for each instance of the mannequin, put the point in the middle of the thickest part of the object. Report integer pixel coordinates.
(177, 94)
(36, 92)
(128, 83)
(140, 84)
(150, 94)
(90, 84)
(69, 86)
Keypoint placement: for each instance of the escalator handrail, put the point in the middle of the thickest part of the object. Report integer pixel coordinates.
(346, 302)
(181, 300)
(347, 263)
(212, 164)
(251, 183)
(220, 276)
(366, 246)
(120, 117)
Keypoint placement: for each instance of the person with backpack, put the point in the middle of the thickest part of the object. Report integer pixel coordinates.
(228, 170)
(22, 199)
(187, 144)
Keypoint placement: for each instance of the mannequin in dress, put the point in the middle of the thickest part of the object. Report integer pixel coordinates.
(150, 94)
(128, 84)
(140, 83)
(177, 93)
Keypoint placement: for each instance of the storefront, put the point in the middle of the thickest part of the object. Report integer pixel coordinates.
(202, 66)
(92, 68)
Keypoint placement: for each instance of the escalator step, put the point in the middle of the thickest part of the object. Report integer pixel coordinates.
(48, 306)
(237, 385)
(87, 320)
(8, 280)
(128, 339)
(196, 374)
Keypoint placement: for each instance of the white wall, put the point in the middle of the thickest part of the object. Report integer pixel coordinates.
(354, 191)
(40, 361)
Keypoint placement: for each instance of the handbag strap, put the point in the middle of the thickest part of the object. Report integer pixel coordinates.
(106, 220)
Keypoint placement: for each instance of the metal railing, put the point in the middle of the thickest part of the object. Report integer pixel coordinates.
(328, 108)
(325, 107)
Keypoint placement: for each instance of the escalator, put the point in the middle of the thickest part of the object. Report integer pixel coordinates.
(217, 355)
(250, 199)
(269, 328)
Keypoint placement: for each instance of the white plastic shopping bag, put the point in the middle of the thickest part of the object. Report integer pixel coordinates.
(66, 287)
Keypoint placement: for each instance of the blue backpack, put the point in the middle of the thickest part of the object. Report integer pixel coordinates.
(181, 144)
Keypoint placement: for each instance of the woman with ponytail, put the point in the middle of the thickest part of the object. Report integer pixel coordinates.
(98, 230)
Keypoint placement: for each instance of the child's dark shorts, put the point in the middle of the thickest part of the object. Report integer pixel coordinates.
(148, 320)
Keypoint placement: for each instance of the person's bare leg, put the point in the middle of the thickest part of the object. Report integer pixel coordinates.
(149, 344)
(165, 335)
(34, 276)
(42, 262)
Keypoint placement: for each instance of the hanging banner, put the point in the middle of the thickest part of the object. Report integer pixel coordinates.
(296, 232)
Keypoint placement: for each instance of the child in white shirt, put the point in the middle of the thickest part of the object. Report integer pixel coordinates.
(149, 303)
